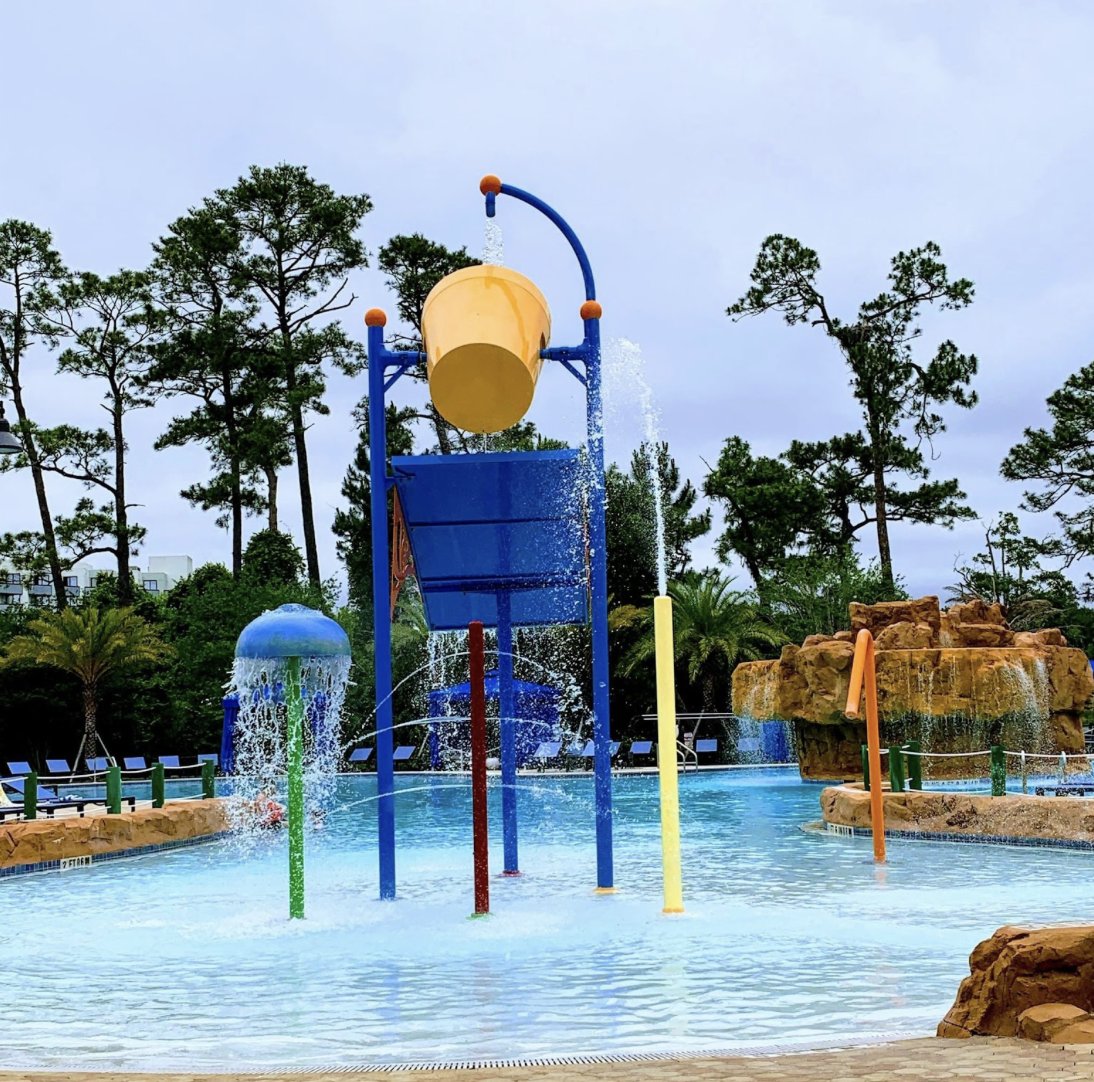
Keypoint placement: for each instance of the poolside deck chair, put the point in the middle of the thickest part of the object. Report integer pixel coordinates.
(20, 769)
(57, 767)
(708, 746)
(99, 765)
(209, 757)
(749, 745)
(545, 753)
(170, 762)
(403, 753)
(641, 749)
(47, 804)
(134, 762)
(360, 755)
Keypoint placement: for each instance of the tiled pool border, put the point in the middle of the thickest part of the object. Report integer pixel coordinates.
(838, 830)
(91, 859)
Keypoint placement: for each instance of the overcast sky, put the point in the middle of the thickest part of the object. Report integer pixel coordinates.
(674, 136)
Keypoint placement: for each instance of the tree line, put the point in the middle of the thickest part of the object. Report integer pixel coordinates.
(236, 317)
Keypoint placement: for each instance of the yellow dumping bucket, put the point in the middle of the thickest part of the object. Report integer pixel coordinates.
(483, 328)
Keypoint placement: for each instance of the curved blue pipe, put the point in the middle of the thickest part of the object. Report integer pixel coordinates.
(563, 225)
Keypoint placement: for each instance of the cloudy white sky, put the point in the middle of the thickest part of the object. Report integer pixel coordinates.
(673, 135)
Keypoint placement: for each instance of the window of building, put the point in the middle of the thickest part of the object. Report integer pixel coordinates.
(152, 586)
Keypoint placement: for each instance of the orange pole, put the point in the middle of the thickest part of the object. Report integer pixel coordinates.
(864, 670)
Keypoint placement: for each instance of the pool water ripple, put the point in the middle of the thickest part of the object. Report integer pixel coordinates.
(186, 959)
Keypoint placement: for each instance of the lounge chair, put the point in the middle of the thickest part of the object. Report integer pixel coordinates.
(545, 753)
(403, 753)
(20, 769)
(641, 749)
(170, 762)
(706, 747)
(134, 762)
(97, 766)
(360, 755)
(58, 767)
(46, 804)
(209, 757)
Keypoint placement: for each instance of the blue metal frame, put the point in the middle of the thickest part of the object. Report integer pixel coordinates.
(587, 353)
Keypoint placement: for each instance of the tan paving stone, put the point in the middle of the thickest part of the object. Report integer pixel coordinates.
(983, 1059)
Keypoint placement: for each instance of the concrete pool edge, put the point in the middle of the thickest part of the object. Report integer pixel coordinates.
(67, 842)
(755, 1050)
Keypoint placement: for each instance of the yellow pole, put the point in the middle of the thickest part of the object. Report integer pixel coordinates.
(666, 754)
(862, 666)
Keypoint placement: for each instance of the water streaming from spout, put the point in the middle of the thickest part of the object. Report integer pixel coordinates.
(625, 378)
(493, 248)
(261, 746)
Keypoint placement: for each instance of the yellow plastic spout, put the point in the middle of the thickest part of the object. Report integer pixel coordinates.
(666, 754)
(483, 328)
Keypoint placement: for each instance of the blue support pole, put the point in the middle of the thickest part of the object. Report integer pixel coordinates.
(602, 734)
(381, 616)
(507, 709)
(589, 352)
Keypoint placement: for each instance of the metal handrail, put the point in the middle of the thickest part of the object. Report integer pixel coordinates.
(682, 753)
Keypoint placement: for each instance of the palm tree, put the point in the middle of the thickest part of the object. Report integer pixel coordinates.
(91, 645)
(714, 628)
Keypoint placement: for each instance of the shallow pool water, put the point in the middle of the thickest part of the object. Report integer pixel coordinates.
(186, 959)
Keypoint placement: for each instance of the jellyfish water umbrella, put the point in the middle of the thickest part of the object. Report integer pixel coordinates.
(291, 644)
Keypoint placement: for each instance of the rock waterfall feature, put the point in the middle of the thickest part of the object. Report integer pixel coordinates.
(956, 680)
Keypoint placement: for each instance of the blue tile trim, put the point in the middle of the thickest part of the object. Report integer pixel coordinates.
(972, 839)
(120, 854)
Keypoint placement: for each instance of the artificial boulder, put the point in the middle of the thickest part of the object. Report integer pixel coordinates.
(1019, 969)
(958, 679)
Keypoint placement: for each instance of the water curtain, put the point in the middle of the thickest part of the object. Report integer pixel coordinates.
(291, 665)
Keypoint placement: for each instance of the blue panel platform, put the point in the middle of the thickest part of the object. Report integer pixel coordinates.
(483, 524)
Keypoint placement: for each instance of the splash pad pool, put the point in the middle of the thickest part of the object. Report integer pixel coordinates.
(187, 959)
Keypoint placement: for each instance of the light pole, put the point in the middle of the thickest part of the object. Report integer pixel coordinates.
(9, 442)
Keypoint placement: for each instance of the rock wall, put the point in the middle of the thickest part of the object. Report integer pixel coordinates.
(71, 836)
(963, 664)
(1013, 816)
(1018, 969)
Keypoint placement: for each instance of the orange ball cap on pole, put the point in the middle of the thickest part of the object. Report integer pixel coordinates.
(375, 317)
(490, 183)
(591, 310)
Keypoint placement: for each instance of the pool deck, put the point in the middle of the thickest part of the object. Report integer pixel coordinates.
(991, 1059)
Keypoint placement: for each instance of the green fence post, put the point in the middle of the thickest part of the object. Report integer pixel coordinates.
(208, 780)
(865, 768)
(30, 796)
(158, 786)
(114, 790)
(998, 771)
(915, 765)
(896, 769)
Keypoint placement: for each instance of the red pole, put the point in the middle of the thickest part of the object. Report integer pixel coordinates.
(478, 767)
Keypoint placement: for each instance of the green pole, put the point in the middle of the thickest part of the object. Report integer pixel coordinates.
(865, 768)
(896, 769)
(208, 780)
(158, 786)
(915, 765)
(30, 796)
(998, 771)
(114, 790)
(296, 789)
